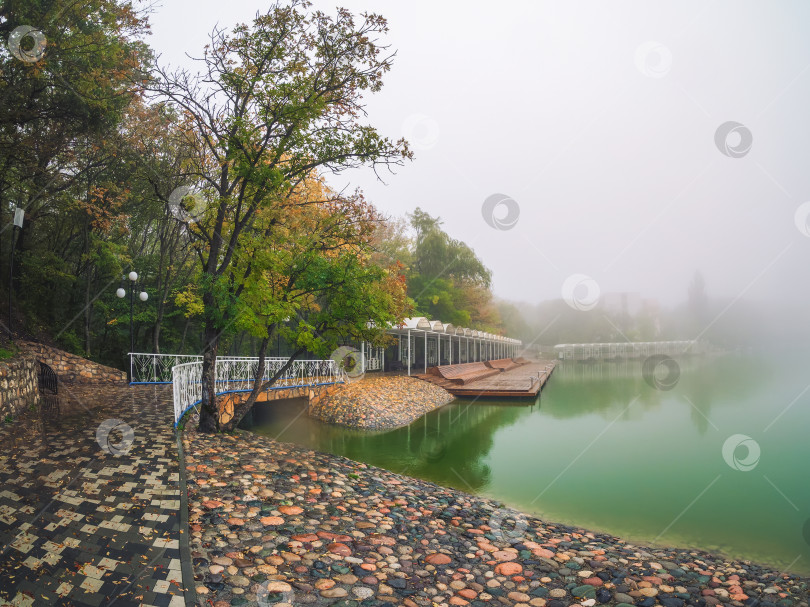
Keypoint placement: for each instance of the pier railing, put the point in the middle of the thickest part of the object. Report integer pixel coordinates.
(236, 374)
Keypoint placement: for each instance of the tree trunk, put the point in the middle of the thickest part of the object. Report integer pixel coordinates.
(88, 311)
(240, 410)
(183, 339)
(209, 420)
(156, 330)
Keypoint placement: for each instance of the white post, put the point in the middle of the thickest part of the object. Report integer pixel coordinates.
(362, 356)
(425, 351)
(409, 352)
(382, 356)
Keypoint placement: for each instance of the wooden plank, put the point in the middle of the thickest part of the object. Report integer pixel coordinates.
(523, 381)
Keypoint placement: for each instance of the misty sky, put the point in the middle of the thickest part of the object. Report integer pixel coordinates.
(599, 120)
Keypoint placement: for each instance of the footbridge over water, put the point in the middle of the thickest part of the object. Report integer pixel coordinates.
(627, 350)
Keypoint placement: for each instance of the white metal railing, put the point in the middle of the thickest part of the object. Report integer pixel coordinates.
(156, 368)
(236, 374)
(186, 387)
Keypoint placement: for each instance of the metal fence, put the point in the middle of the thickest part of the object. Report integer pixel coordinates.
(234, 374)
(156, 368)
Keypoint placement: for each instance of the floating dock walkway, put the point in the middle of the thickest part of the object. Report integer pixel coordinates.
(505, 377)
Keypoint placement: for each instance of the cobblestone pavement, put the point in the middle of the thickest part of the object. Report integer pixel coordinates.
(90, 501)
(274, 523)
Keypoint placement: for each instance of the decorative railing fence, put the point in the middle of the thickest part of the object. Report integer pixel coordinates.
(237, 375)
(156, 368)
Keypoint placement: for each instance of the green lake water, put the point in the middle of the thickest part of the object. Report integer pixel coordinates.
(604, 450)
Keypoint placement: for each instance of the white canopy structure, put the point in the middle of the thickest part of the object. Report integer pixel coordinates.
(422, 343)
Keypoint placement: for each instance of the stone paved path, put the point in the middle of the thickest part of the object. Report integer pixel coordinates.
(84, 526)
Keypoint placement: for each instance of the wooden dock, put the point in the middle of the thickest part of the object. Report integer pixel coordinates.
(503, 378)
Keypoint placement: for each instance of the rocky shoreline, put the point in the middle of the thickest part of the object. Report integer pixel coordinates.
(380, 402)
(273, 523)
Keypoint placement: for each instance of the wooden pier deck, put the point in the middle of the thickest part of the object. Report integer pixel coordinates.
(505, 378)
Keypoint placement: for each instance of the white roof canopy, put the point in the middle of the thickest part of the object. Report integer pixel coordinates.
(421, 323)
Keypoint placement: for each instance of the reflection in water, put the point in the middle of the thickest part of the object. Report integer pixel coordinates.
(604, 449)
(446, 446)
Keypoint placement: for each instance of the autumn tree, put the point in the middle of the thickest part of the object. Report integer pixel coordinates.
(68, 71)
(276, 100)
(314, 282)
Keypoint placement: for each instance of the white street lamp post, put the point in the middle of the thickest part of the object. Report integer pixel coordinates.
(143, 296)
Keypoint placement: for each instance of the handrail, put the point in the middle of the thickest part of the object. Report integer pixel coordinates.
(148, 368)
(236, 374)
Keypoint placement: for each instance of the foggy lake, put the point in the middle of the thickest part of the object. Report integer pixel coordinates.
(604, 450)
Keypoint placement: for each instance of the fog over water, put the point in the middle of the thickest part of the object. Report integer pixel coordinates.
(600, 120)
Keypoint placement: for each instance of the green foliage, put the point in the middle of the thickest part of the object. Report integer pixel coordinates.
(447, 280)
(437, 255)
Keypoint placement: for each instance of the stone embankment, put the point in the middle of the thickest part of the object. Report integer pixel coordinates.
(379, 403)
(272, 523)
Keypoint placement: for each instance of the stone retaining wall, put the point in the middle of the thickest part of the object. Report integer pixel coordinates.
(18, 386)
(72, 368)
(227, 402)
